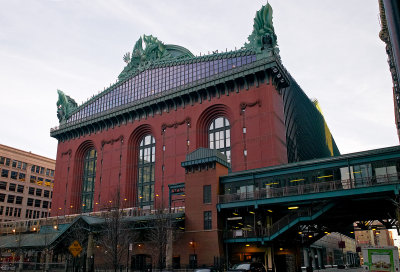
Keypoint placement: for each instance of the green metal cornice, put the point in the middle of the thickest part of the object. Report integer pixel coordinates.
(204, 156)
(308, 198)
(208, 88)
(315, 164)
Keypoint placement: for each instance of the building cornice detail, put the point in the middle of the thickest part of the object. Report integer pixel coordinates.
(267, 68)
(112, 141)
(244, 105)
(176, 124)
(68, 152)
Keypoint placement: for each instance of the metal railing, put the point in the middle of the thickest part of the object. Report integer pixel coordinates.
(33, 225)
(276, 227)
(316, 187)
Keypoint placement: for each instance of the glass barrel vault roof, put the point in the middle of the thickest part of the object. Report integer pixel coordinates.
(155, 82)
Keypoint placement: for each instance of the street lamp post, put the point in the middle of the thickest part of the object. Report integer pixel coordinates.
(127, 259)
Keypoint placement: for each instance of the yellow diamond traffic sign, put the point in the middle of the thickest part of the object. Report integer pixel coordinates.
(75, 248)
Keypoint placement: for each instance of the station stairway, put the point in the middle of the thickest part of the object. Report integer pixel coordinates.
(292, 219)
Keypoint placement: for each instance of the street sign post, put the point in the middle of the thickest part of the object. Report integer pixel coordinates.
(75, 248)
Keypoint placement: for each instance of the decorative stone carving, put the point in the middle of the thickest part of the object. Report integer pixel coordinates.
(68, 152)
(244, 105)
(112, 141)
(176, 124)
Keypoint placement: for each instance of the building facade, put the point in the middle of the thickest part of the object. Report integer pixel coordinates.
(26, 184)
(390, 34)
(172, 126)
(131, 139)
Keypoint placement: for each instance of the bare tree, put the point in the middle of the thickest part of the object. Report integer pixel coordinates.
(160, 234)
(115, 235)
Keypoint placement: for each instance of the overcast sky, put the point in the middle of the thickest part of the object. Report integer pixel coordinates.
(331, 48)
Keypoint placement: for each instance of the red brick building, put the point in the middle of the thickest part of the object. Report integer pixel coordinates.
(127, 143)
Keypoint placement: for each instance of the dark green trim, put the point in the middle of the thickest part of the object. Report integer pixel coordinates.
(50, 237)
(175, 189)
(345, 193)
(205, 161)
(317, 164)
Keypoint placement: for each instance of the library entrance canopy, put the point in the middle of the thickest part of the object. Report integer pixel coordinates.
(159, 77)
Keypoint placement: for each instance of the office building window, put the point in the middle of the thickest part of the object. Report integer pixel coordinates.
(29, 202)
(4, 173)
(3, 185)
(10, 198)
(18, 200)
(21, 177)
(207, 194)
(33, 179)
(20, 188)
(14, 175)
(38, 192)
(207, 220)
(12, 187)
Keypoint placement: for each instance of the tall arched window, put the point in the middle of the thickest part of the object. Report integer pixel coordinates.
(89, 176)
(219, 136)
(146, 167)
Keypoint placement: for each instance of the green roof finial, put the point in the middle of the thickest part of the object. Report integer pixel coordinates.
(141, 58)
(263, 35)
(65, 105)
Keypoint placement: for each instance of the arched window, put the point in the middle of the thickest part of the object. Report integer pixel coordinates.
(219, 136)
(146, 167)
(89, 176)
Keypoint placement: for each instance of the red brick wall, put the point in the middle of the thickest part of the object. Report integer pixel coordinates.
(206, 242)
(264, 141)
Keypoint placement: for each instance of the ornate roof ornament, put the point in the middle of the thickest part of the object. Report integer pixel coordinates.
(154, 50)
(263, 35)
(65, 105)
